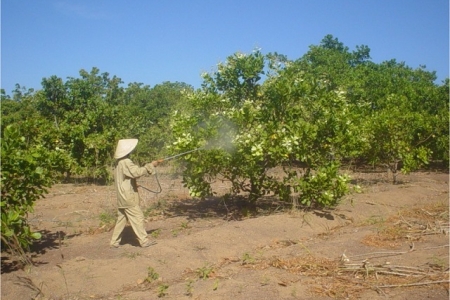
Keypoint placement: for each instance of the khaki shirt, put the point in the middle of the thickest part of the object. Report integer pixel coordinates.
(125, 175)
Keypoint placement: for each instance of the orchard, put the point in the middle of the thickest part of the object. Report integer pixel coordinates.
(309, 117)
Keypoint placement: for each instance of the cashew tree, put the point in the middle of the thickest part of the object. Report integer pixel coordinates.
(247, 127)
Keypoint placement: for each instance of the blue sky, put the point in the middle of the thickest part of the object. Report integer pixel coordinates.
(152, 41)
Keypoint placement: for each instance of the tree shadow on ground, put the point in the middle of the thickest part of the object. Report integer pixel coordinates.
(239, 208)
(49, 240)
(235, 208)
(369, 176)
(84, 180)
(324, 214)
(9, 264)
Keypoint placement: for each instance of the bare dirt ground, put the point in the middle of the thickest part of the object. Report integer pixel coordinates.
(388, 242)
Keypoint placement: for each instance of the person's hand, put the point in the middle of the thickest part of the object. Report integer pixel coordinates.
(155, 163)
(150, 168)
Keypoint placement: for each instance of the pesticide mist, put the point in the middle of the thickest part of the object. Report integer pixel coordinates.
(222, 138)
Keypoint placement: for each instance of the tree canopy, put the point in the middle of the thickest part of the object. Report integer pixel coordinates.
(255, 112)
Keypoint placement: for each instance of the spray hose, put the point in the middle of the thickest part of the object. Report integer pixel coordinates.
(156, 173)
(151, 191)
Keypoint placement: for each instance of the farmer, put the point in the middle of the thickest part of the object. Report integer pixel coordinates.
(125, 174)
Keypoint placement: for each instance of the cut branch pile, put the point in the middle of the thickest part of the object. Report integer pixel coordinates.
(341, 277)
(412, 224)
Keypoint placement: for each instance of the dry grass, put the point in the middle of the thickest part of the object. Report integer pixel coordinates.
(349, 277)
(339, 278)
(410, 225)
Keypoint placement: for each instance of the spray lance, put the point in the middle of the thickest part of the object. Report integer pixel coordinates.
(178, 155)
(162, 160)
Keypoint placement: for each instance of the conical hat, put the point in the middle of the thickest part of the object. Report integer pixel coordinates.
(125, 147)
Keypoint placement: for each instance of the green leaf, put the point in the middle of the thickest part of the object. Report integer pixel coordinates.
(36, 235)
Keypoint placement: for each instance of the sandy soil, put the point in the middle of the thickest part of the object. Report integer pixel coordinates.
(388, 242)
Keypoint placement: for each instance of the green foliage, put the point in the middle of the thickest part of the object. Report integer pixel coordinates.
(290, 118)
(205, 272)
(151, 275)
(155, 107)
(162, 290)
(86, 123)
(107, 218)
(324, 188)
(90, 113)
(405, 116)
(401, 114)
(247, 259)
(189, 287)
(395, 135)
(328, 107)
(26, 174)
(254, 113)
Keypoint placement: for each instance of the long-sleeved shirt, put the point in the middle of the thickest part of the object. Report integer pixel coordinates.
(125, 175)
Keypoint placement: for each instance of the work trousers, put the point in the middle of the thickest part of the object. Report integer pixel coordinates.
(133, 215)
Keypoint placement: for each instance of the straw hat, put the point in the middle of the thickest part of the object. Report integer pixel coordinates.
(125, 147)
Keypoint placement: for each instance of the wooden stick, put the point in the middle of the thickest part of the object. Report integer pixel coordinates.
(443, 246)
(393, 273)
(380, 253)
(413, 284)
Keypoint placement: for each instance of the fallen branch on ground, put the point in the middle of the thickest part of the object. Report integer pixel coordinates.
(413, 284)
